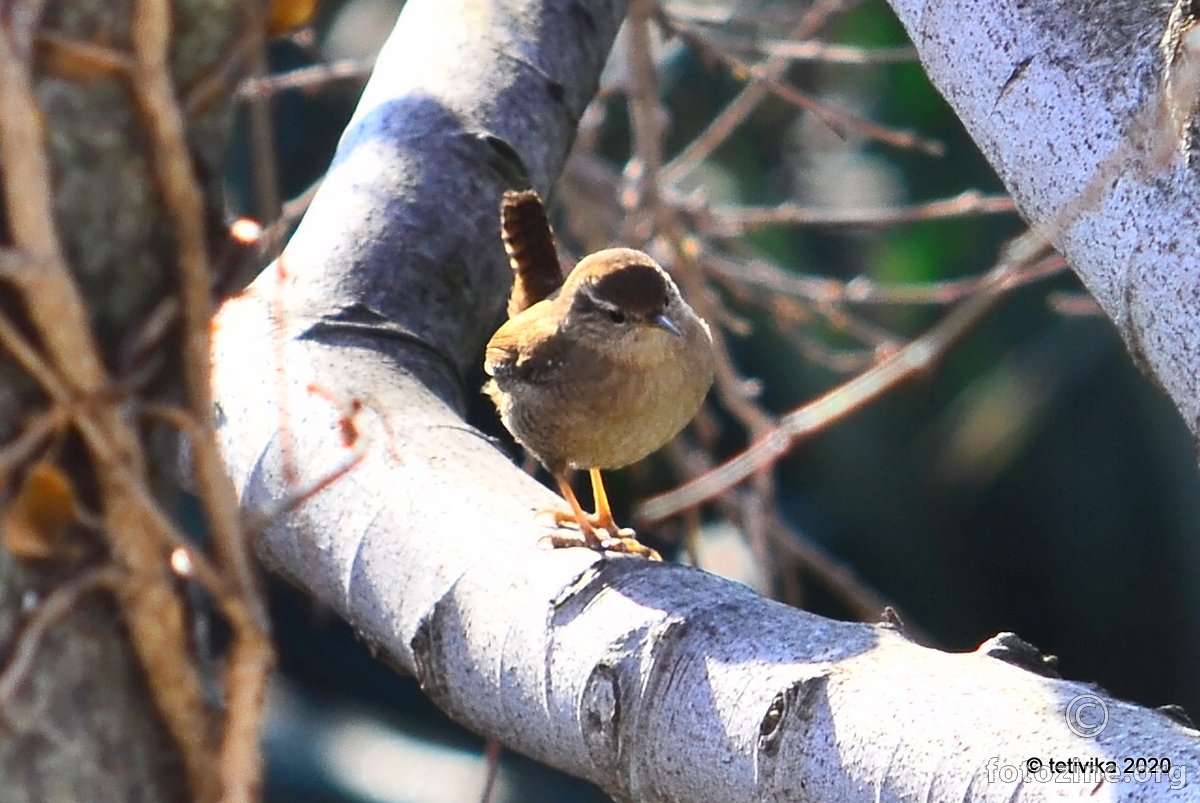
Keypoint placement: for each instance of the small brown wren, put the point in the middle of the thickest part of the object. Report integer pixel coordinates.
(594, 372)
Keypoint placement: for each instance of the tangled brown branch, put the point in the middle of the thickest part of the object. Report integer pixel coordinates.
(219, 748)
(651, 202)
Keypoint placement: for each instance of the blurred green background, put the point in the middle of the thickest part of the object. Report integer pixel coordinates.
(1033, 481)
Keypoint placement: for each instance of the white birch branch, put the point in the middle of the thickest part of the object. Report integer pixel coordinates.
(1091, 127)
(657, 682)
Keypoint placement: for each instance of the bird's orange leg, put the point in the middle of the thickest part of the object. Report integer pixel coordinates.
(604, 517)
(614, 538)
(623, 539)
(578, 516)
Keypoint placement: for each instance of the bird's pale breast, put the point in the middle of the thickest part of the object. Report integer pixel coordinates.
(593, 422)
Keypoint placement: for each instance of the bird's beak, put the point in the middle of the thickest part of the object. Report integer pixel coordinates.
(663, 322)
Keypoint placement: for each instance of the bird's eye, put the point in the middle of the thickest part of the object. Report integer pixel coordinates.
(616, 316)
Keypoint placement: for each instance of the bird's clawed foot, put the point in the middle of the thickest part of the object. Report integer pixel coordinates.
(596, 534)
(597, 531)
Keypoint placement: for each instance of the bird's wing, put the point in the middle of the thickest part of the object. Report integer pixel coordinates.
(526, 346)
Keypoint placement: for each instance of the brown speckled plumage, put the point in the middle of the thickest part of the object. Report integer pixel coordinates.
(600, 372)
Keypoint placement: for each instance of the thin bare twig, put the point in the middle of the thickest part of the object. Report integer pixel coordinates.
(647, 135)
(37, 428)
(731, 14)
(732, 221)
(262, 127)
(866, 603)
(1074, 304)
(746, 101)
(822, 291)
(250, 655)
(911, 359)
(304, 77)
(52, 610)
(840, 121)
(491, 763)
(829, 52)
(215, 84)
(81, 60)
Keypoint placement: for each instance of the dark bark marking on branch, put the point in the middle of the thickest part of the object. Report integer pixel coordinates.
(505, 160)
(361, 321)
(790, 710)
(1015, 76)
(600, 715)
(423, 661)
